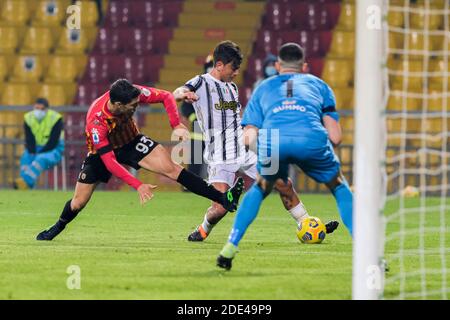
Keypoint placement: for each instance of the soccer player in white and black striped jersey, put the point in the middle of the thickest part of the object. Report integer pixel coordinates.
(216, 102)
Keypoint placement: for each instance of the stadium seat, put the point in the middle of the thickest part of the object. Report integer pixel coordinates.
(62, 69)
(344, 98)
(15, 94)
(310, 16)
(437, 76)
(347, 17)
(99, 69)
(396, 18)
(38, 40)
(144, 42)
(54, 93)
(278, 17)
(437, 101)
(338, 72)
(139, 69)
(9, 40)
(418, 20)
(315, 66)
(416, 42)
(28, 68)
(118, 14)
(109, 41)
(401, 101)
(253, 70)
(396, 41)
(415, 78)
(88, 92)
(342, 45)
(311, 43)
(89, 16)
(147, 14)
(72, 42)
(333, 9)
(4, 68)
(49, 13)
(14, 12)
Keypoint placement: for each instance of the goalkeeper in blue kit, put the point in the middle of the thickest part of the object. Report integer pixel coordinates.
(294, 120)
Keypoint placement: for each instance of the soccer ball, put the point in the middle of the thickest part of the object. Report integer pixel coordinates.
(311, 230)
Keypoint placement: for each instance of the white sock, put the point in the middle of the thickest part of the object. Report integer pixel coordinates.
(299, 213)
(206, 225)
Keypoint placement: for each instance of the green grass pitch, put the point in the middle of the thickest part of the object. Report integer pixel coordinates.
(125, 251)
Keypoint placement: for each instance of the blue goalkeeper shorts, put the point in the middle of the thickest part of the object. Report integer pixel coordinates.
(317, 160)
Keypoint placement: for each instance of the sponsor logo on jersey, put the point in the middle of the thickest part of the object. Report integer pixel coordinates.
(145, 92)
(226, 105)
(95, 136)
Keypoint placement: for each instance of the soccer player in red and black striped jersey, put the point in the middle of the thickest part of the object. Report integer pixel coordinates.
(114, 140)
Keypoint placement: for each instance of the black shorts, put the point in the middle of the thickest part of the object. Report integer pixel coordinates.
(93, 169)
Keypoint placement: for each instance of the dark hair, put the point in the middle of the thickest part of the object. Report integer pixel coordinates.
(291, 52)
(123, 91)
(228, 51)
(42, 101)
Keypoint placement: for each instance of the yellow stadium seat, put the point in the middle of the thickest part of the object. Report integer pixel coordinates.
(4, 69)
(49, 13)
(338, 72)
(344, 98)
(347, 17)
(343, 44)
(9, 39)
(38, 40)
(437, 77)
(399, 101)
(28, 69)
(14, 12)
(54, 93)
(437, 101)
(419, 43)
(420, 18)
(396, 17)
(62, 69)
(395, 41)
(72, 42)
(410, 73)
(15, 94)
(89, 13)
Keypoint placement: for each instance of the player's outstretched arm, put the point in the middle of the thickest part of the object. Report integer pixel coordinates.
(145, 192)
(185, 94)
(334, 130)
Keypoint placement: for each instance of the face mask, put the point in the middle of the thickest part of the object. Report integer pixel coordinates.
(270, 71)
(39, 114)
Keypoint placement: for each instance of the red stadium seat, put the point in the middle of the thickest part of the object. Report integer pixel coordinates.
(147, 14)
(278, 17)
(108, 41)
(138, 69)
(315, 66)
(98, 69)
(171, 11)
(311, 16)
(333, 9)
(144, 42)
(254, 69)
(88, 92)
(118, 14)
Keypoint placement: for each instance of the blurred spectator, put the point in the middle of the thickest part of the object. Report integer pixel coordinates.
(268, 69)
(44, 143)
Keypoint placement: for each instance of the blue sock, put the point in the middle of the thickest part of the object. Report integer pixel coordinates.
(344, 199)
(247, 212)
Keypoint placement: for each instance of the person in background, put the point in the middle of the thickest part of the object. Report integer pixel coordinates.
(44, 143)
(268, 68)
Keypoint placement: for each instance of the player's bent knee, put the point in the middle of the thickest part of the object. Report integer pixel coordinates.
(173, 171)
(265, 186)
(336, 181)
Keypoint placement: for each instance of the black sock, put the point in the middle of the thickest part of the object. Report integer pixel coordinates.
(199, 186)
(67, 215)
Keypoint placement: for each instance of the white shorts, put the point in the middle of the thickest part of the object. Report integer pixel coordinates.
(226, 173)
